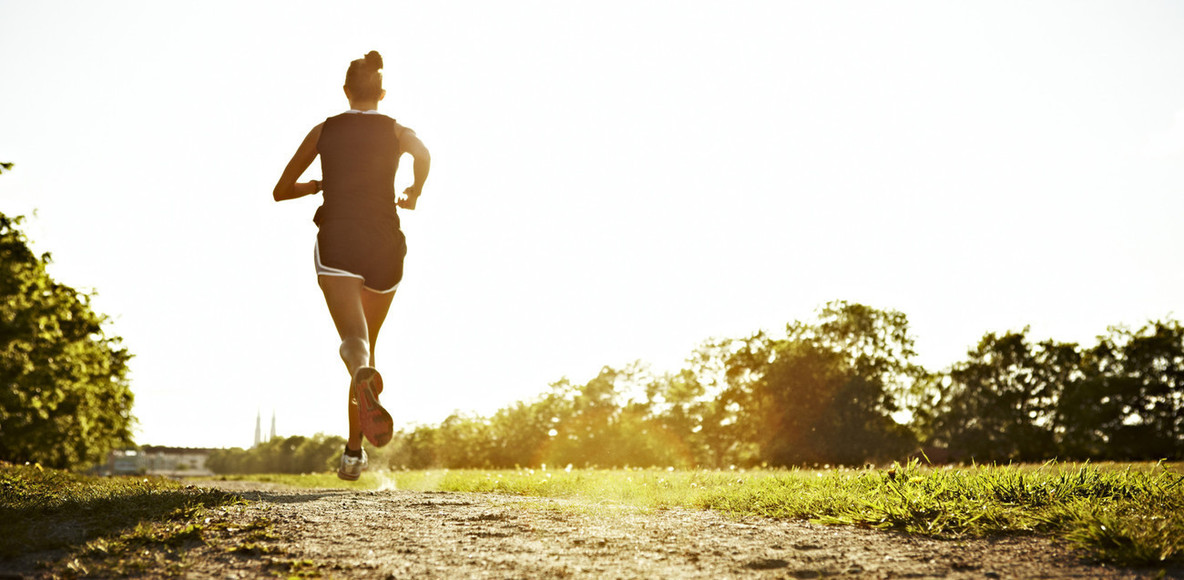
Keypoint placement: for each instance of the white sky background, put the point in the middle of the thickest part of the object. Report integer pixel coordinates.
(611, 181)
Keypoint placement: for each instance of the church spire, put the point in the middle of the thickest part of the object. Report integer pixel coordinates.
(258, 429)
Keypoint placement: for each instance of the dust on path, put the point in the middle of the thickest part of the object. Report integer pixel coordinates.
(404, 534)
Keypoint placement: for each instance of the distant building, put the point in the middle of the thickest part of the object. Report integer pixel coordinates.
(159, 460)
(123, 462)
(259, 429)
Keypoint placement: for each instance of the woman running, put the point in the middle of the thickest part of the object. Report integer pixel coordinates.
(359, 249)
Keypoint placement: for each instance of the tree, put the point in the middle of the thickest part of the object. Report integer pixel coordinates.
(713, 413)
(1016, 400)
(826, 392)
(65, 400)
(1000, 403)
(1130, 404)
(523, 432)
(463, 441)
(677, 406)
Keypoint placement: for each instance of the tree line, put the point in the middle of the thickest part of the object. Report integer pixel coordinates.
(295, 454)
(843, 389)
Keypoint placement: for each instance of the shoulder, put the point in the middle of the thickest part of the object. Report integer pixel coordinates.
(315, 133)
(401, 131)
(393, 122)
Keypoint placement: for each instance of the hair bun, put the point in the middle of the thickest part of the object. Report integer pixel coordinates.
(374, 59)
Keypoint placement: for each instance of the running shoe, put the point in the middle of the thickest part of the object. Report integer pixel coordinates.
(377, 425)
(352, 467)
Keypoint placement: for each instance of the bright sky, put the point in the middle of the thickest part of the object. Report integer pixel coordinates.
(611, 181)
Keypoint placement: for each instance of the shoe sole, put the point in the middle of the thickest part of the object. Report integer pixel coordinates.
(377, 425)
(343, 475)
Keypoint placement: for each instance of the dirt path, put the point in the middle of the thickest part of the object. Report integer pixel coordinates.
(402, 534)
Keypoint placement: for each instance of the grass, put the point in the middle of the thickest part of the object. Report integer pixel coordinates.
(1124, 514)
(100, 526)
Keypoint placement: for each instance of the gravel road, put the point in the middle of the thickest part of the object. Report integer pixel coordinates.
(404, 534)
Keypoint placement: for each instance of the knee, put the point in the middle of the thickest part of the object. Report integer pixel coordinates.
(354, 344)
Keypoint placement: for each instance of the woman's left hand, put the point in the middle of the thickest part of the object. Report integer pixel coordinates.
(407, 200)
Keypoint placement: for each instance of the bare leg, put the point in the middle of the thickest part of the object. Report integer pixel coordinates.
(358, 315)
(375, 306)
(343, 295)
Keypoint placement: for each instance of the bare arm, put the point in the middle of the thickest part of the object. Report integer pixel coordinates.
(410, 144)
(287, 188)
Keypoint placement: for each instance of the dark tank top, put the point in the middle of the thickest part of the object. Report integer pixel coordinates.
(359, 157)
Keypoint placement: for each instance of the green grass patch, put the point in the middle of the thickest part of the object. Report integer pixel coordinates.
(1125, 514)
(129, 524)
